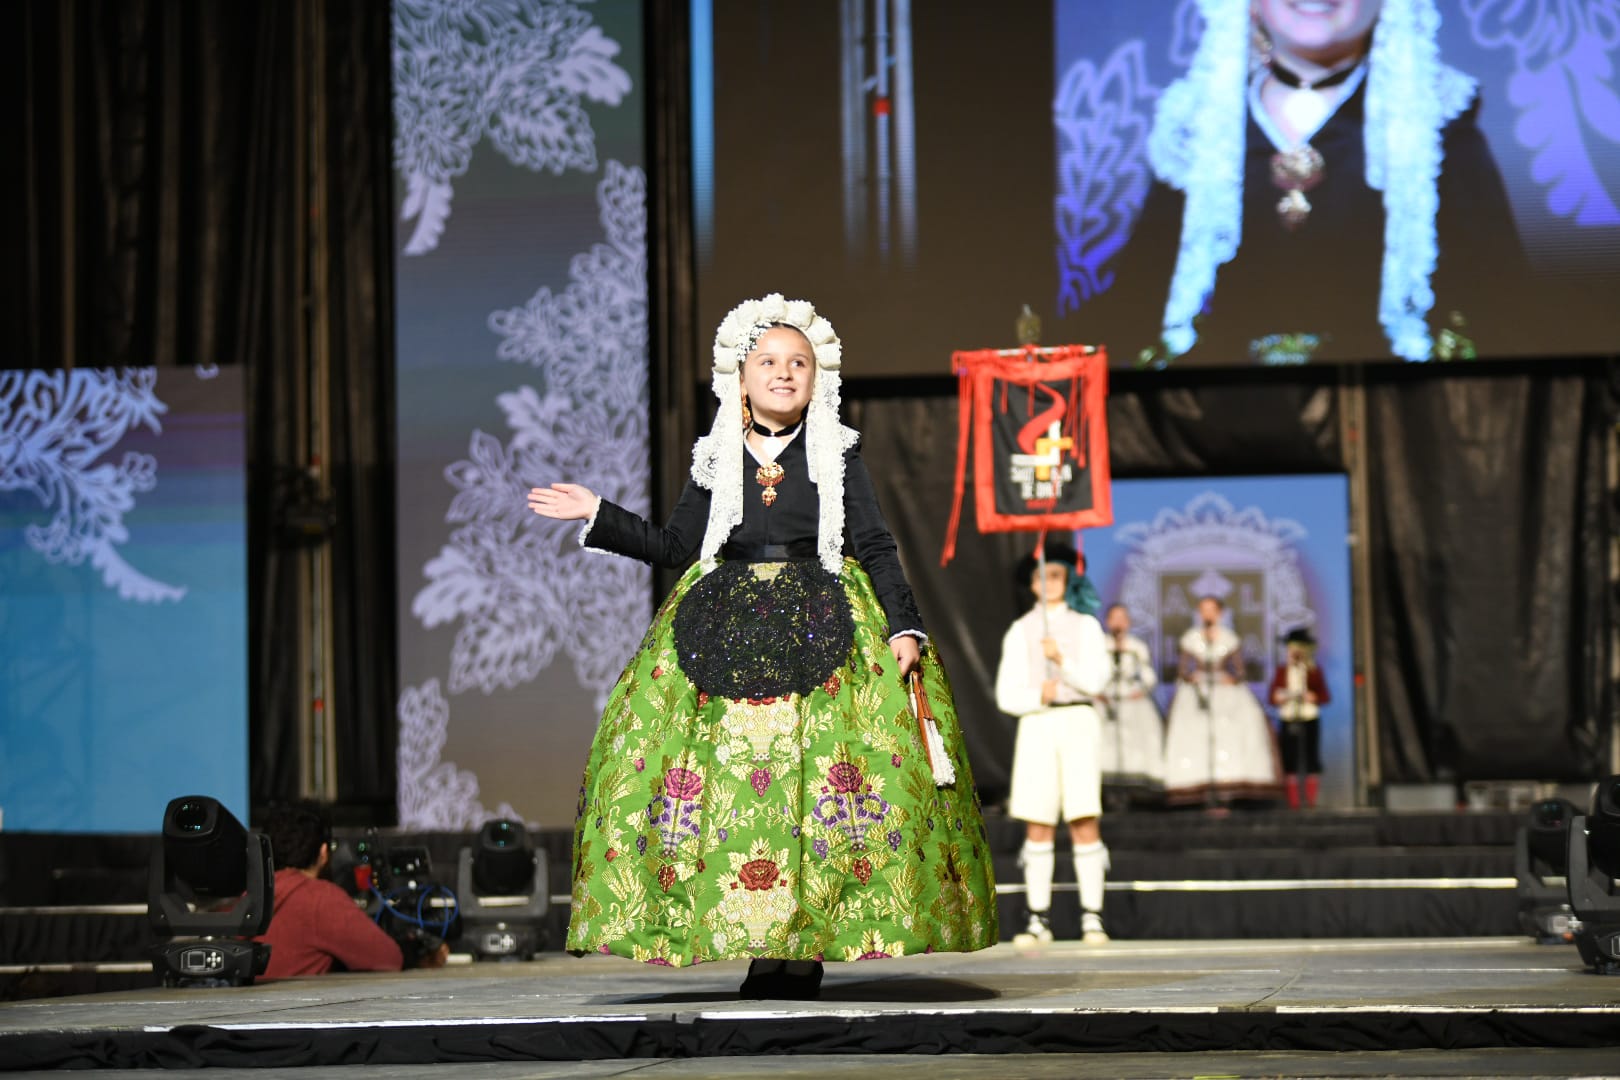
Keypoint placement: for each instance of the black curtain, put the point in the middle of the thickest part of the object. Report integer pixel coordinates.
(154, 221)
(357, 198)
(162, 150)
(1490, 520)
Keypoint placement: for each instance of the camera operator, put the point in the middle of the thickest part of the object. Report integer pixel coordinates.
(316, 925)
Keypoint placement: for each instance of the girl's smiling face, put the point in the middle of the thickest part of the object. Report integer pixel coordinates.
(777, 376)
(1322, 31)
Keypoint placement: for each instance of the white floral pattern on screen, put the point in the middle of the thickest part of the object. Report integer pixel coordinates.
(1563, 87)
(521, 587)
(55, 427)
(435, 794)
(514, 71)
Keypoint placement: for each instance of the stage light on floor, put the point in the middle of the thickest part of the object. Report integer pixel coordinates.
(209, 888)
(1594, 879)
(505, 893)
(1541, 865)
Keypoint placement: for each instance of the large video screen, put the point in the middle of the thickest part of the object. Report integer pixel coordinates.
(1191, 183)
(123, 596)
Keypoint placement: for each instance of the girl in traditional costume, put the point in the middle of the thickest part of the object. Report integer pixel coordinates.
(760, 785)
(1132, 743)
(1219, 745)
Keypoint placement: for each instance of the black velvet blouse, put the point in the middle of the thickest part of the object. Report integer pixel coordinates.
(785, 529)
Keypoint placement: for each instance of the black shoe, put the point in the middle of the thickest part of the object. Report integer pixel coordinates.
(782, 980)
(762, 976)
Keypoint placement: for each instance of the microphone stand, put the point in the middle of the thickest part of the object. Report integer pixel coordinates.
(1115, 710)
(1207, 699)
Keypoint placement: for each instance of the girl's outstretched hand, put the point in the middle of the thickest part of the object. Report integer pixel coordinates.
(566, 502)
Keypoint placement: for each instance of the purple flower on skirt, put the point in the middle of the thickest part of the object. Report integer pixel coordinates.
(820, 848)
(796, 831)
(722, 834)
(894, 839)
(641, 845)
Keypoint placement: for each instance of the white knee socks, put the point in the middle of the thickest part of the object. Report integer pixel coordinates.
(1038, 860)
(1090, 866)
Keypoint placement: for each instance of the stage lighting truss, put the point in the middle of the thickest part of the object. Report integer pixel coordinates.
(505, 889)
(210, 887)
(1594, 879)
(1541, 865)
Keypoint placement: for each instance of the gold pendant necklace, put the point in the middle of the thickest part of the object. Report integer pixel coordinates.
(1296, 171)
(768, 476)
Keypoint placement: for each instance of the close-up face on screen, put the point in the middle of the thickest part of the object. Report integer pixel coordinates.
(1192, 183)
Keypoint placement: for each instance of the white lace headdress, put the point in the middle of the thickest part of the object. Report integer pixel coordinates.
(1197, 146)
(717, 457)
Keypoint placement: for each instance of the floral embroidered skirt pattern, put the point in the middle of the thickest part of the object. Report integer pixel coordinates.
(801, 827)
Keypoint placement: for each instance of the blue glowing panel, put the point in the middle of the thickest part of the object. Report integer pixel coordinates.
(123, 596)
(1274, 548)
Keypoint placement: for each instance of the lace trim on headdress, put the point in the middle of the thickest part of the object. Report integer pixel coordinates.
(717, 456)
(1411, 96)
(1197, 146)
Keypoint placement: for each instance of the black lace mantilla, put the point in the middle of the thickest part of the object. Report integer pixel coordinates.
(756, 630)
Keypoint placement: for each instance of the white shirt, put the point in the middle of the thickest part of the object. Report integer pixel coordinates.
(1024, 668)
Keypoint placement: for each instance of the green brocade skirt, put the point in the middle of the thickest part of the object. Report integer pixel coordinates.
(805, 827)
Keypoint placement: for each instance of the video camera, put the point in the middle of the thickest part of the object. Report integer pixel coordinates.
(419, 912)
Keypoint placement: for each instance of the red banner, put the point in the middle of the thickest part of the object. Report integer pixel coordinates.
(1039, 428)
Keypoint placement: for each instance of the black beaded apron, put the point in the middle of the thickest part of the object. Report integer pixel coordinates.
(763, 629)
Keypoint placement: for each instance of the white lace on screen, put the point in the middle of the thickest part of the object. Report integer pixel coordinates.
(1197, 147)
(717, 457)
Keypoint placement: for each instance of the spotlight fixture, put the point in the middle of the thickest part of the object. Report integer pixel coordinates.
(1594, 879)
(505, 893)
(210, 887)
(1541, 865)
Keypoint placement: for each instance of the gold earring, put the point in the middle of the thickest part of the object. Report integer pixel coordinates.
(748, 414)
(1259, 44)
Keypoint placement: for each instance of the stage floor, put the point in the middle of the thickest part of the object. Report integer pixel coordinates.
(1129, 998)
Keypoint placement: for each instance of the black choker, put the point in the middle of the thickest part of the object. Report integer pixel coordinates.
(791, 429)
(1290, 79)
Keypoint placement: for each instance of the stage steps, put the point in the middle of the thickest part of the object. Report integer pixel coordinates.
(1190, 874)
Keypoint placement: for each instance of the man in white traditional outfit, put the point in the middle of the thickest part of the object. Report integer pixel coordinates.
(1054, 663)
(1219, 746)
(1132, 729)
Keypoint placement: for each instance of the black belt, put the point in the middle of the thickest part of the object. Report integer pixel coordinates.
(799, 549)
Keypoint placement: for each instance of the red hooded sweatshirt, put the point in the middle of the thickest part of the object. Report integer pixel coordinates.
(316, 924)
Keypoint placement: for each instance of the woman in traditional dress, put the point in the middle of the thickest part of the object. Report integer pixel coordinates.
(1132, 742)
(1322, 191)
(1219, 746)
(758, 786)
